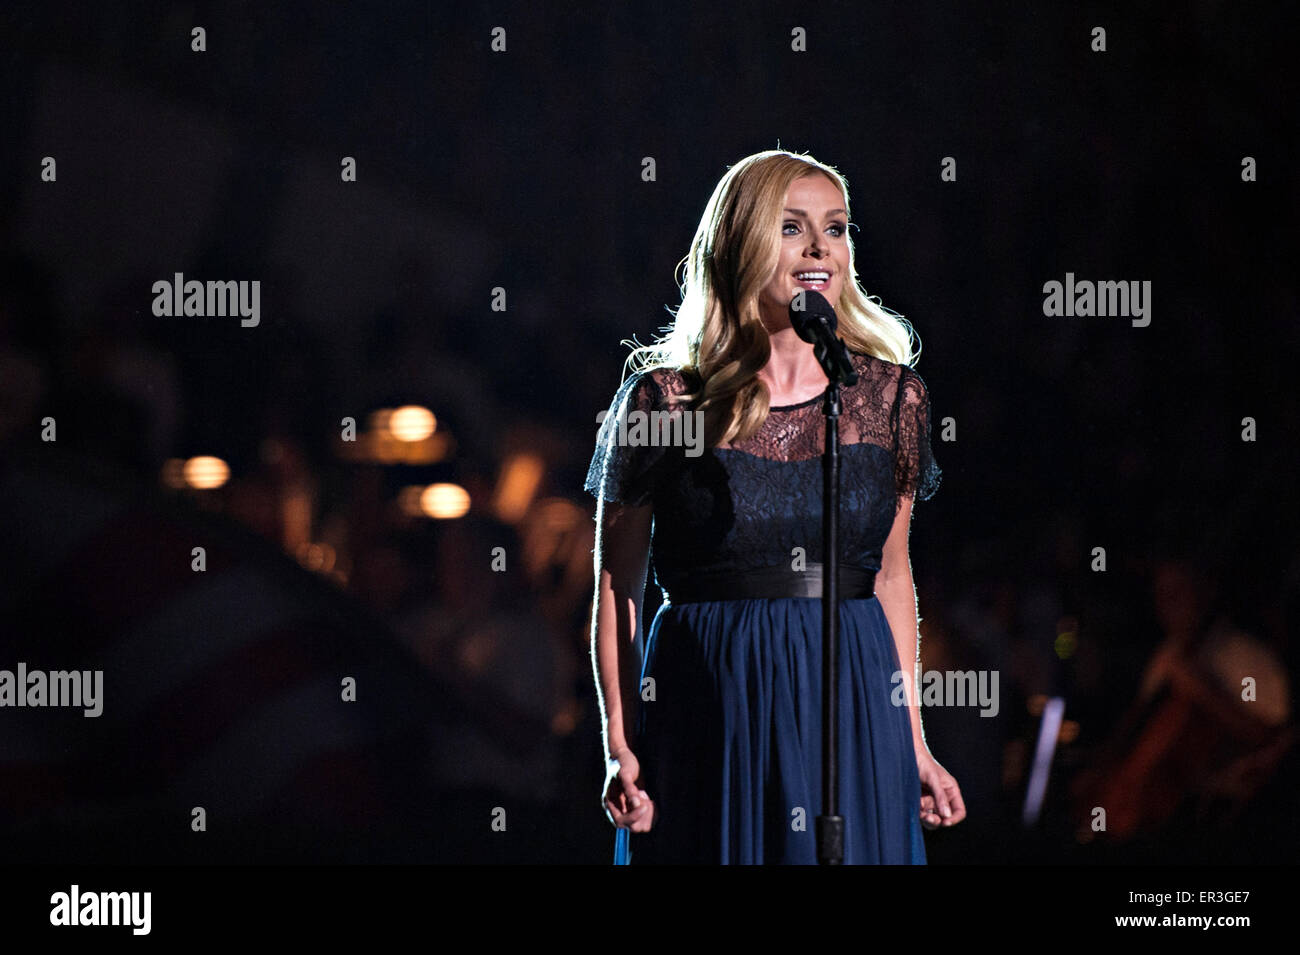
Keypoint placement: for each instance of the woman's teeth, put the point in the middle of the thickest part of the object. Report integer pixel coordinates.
(816, 279)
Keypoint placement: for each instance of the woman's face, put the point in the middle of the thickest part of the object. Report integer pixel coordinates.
(814, 239)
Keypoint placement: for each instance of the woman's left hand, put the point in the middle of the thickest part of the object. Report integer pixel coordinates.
(941, 803)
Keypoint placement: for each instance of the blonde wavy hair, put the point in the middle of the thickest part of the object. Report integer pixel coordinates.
(717, 338)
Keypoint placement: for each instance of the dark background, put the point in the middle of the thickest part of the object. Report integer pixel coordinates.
(522, 170)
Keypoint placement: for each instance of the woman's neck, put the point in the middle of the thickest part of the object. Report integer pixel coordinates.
(792, 369)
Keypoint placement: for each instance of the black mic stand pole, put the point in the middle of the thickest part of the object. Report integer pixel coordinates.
(830, 824)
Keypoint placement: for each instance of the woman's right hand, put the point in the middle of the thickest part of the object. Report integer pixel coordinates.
(627, 805)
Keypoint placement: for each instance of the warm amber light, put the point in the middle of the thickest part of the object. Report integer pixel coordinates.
(444, 501)
(520, 477)
(411, 423)
(205, 472)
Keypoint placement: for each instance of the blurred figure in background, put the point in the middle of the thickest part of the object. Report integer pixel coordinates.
(1208, 725)
(484, 636)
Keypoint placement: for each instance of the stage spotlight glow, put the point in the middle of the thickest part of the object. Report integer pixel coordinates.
(411, 423)
(444, 501)
(205, 472)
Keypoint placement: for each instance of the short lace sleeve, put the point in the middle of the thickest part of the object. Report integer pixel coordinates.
(624, 469)
(916, 474)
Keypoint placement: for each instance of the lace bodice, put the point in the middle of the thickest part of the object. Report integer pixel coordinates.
(756, 503)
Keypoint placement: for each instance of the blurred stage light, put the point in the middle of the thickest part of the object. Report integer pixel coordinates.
(405, 435)
(205, 472)
(411, 423)
(444, 501)
(520, 476)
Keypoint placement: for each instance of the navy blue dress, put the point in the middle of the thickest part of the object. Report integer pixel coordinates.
(730, 743)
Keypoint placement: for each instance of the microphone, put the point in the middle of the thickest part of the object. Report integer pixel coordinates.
(814, 321)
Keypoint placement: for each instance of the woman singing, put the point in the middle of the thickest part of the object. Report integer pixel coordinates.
(713, 740)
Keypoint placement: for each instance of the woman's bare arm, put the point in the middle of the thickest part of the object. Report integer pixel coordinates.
(941, 799)
(896, 592)
(622, 556)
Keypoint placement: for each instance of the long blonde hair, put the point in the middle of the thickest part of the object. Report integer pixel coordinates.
(717, 338)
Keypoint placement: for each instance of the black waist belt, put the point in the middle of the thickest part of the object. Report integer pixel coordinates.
(856, 583)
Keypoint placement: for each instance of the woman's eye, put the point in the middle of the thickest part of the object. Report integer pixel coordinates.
(837, 226)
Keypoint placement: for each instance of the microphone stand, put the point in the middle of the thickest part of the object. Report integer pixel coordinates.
(834, 358)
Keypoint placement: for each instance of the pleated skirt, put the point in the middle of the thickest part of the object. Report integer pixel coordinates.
(729, 737)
